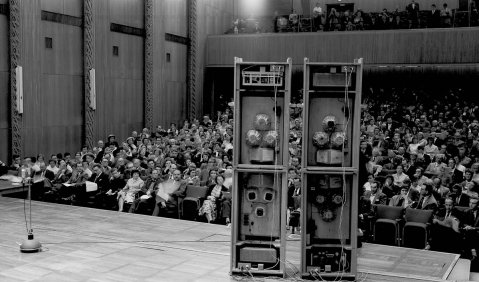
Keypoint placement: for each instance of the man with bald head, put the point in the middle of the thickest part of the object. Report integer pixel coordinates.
(168, 194)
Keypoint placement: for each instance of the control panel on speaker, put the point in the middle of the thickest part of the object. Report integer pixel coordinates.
(262, 113)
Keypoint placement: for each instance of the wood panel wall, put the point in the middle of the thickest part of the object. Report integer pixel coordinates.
(169, 85)
(119, 79)
(214, 17)
(4, 87)
(52, 118)
(431, 46)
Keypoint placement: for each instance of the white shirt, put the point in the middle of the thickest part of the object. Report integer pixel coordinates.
(317, 10)
(53, 169)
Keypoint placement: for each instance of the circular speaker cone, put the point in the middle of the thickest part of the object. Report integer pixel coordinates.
(253, 138)
(270, 138)
(262, 122)
(337, 199)
(338, 138)
(320, 138)
(320, 199)
(329, 123)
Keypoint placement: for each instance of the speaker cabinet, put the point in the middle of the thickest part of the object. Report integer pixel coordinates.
(261, 131)
(330, 160)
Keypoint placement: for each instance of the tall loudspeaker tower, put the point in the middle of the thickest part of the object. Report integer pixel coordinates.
(261, 131)
(330, 163)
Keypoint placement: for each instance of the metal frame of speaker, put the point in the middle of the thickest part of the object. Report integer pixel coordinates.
(330, 164)
(262, 92)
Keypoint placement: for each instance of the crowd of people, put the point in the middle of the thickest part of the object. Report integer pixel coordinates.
(146, 173)
(322, 19)
(418, 149)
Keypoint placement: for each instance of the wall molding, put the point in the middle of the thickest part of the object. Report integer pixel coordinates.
(177, 39)
(15, 47)
(130, 30)
(62, 18)
(88, 64)
(191, 63)
(148, 83)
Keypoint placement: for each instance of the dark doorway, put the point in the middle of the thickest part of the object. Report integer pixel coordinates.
(341, 7)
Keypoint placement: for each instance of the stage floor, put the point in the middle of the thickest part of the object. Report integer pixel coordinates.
(84, 244)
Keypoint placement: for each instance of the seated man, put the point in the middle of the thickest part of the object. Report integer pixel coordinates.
(427, 200)
(445, 234)
(471, 231)
(168, 194)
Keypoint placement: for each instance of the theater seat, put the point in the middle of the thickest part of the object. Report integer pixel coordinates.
(191, 204)
(386, 227)
(415, 231)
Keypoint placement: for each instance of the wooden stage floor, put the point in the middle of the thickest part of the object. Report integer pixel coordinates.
(84, 244)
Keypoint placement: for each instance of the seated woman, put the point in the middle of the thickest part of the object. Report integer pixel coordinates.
(193, 179)
(215, 193)
(131, 189)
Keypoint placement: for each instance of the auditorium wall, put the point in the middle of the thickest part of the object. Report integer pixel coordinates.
(214, 17)
(4, 91)
(119, 75)
(52, 56)
(170, 62)
(429, 46)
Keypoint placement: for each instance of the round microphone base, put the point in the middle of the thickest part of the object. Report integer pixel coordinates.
(30, 245)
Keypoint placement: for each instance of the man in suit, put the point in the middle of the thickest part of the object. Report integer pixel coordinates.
(440, 191)
(460, 199)
(167, 198)
(427, 200)
(376, 196)
(471, 228)
(100, 178)
(367, 204)
(434, 17)
(413, 14)
(445, 234)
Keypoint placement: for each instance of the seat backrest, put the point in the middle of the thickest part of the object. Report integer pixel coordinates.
(389, 212)
(196, 191)
(416, 215)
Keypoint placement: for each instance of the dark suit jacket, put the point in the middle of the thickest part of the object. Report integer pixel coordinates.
(379, 199)
(462, 200)
(431, 203)
(148, 183)
(441, 214)
(468, 218)
(102, 181)
(435, 18)
(413, 12)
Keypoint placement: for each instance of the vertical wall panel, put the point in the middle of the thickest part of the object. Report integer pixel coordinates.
(208, 24)
(176, 17)
(127, 12)
(119, 79)
(4, 78)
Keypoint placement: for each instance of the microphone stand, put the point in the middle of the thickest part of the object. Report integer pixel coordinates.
(30, 245)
